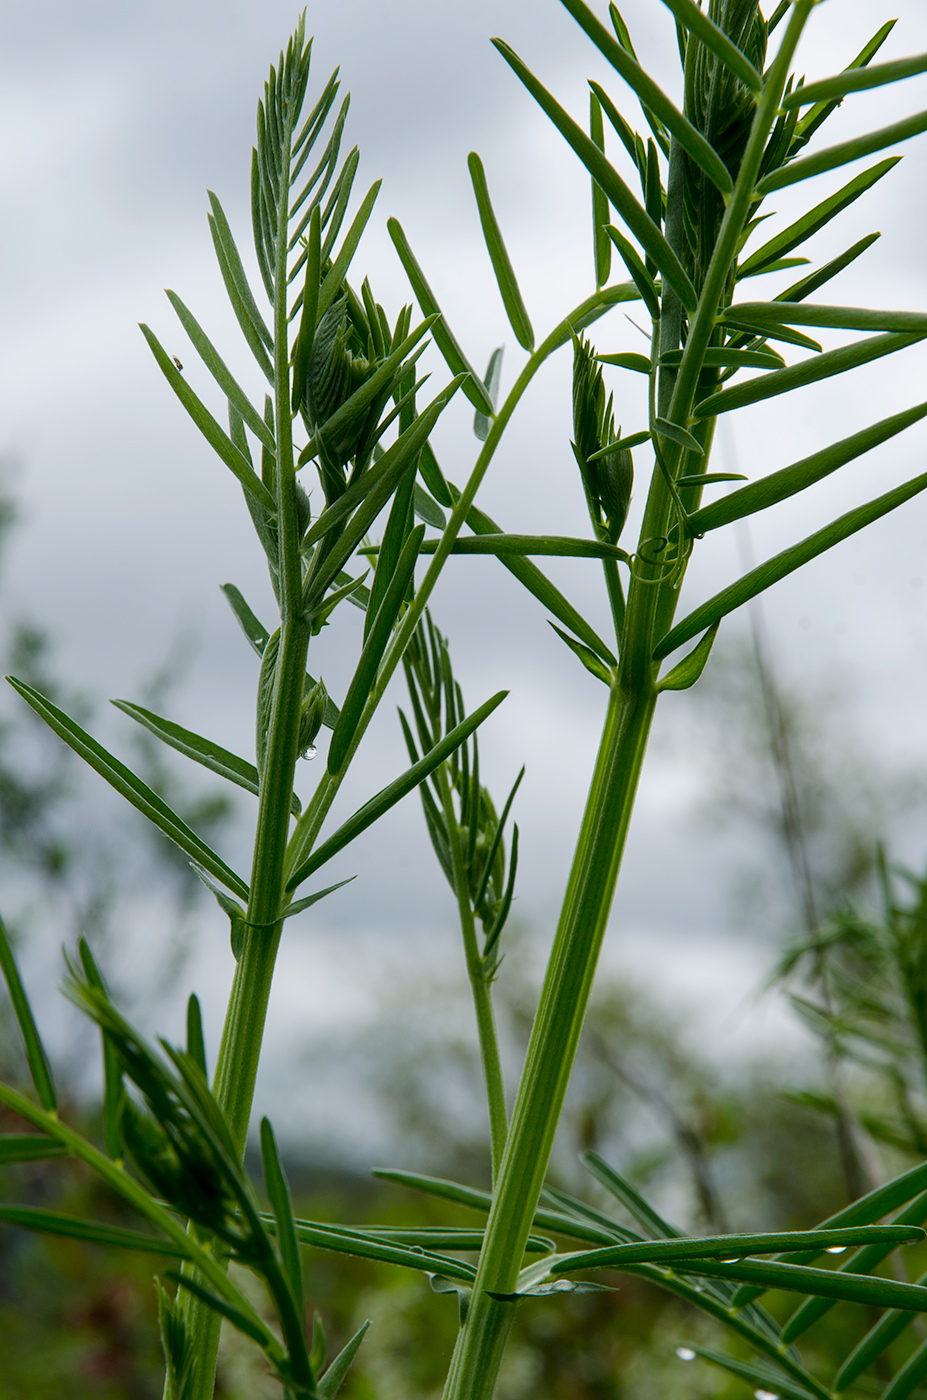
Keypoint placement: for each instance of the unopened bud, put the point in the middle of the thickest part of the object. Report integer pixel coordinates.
(310, 719)
(615, 479)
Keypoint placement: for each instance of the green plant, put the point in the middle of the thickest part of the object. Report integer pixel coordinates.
(340, 375)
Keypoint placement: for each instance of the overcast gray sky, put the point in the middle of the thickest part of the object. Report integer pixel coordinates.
(117, 117)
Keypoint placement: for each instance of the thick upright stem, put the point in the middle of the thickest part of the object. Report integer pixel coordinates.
(553, 1041)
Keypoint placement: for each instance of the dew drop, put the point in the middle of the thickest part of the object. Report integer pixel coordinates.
(309, 751)
(837, 1249)
(765, 1395)
(685, 1353)
(729, 1261)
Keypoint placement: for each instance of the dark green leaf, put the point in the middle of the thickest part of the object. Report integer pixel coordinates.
(708, 478)
(638, 221)
(771, 332)
(278, 1193)
(309, 318)
(28, 1147)
(498, 256)
(911, 1374)
(735, 1248)
(687, 672)
(389, 796)
(827, 1283)
(559, 546)
(727, 355)
(251, 1326)
(652, 98)
(210, 755)
(639, 274)
(216, 436)
(131, 787)
(876, 1341)
(592, 663)
(363, 1245)
(699, 23)
(854, 80)
(810, 371)
(53, 1222)
(765, 575)
(456, 359)
(255, 631)
(675, 433)
(39, 1066)
(601, 247)
(196, 1045)
(834, 156)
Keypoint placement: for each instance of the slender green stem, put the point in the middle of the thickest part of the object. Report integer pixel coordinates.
(554, 1038)
(479, 984)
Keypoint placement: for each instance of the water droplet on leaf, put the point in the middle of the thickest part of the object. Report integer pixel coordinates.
(765, 1395)
(685, 1353)
(309, 751)
(837, 1249)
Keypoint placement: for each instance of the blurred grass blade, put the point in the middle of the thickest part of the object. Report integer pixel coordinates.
(834, 156)
(255, 631)
(556, 546)
(810, 371)
(278, 1193)
(850, 318)
(638, 221)
(765, 575)
(540, 587)
(762, 1378)
(852, 79)
(815, 219)
(876, 1341)
(299, 905)
(365, 673)
(216, 436)
(688, 670)
(482, 424)
(443, 337)
(652, 98)
(334, 1377)
(498, 256)
(780, 485)
(220, 372)
(734, 1248)
(389, 796)
(210, 755)
(339, 269)
(39, 1066)
(909, 1377)
(53, 1222)
(131, 787)
(699, 23)
(28, 1147)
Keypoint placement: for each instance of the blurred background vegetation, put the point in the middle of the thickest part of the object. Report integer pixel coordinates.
(756, 1145)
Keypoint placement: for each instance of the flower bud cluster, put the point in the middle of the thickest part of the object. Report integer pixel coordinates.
(608, 477)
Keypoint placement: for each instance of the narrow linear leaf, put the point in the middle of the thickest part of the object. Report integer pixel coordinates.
(675, 433)
(629, 1197)
(827, 1283)
(339, 269)
(250, 1325)
(196, 1043)
(299, 905)
(810, 371)
(735, 1247)
(428, 509)
(638, 221)
(639, 274)
(385, 799)
(53, 1222)
(640, 363)
(810, 284)
(632, 440)
(688, 670)
(27, 1147)
(481, 424)
(456, 360)
(216, 436)
(131, 787)
(498, 256)
(220, 372)
(559, 546)
(811, 121)
(363, 1245)
(852, 318)
(39, 1066)
(854, 80)
(601, 247)
(814, 220)
(652, 98)
(834, 156)
(334, 1377)
(309, 317)
(911, 1374)
(593, 664)
(255, 631)
(205, 751)
(781, 565)
(233, 274)
(728, 356)
(365, 673)
(762, 1378)
(699, 23)
(278, 1193)
(771, 332)
(876, 1341)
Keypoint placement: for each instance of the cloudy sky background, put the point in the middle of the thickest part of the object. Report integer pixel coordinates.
(116, 118)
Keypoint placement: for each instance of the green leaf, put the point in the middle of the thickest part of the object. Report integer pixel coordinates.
(255, 631)
(639, 274)
(709, 478)
(309, 318)
(652, 98)
(687, 672)
(911, 1374)
(250, 1325)
(675, 433)
(810, 371)
(365, 673)
(333, 1379)
(728, 355)
(299, 905)
(216, 436)
(27, 1147)
(592, 663)
(39, 1066)
(53, 1222)
(852, 318)
(854, 80)
(762, 1378)
(834, 156)
(482, 424)
(765, 575)
(363, 1245)
(775, 333)
(498, 256)
(638, 221)
(239, 292)
(628, 1196)
(558, 546)
(210, 755)
(699, 23)
(385, 799)
(278, 1193)
(601, 248)
(640, 363)
(131, 787)
(221, 373)
(331, 287)
(196, 1045)
(428, 509)
(819, 114)
(815, 219)
(456, 359)
(540, 587)
(876, 1341)
(809, 285)
(827, 1283)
